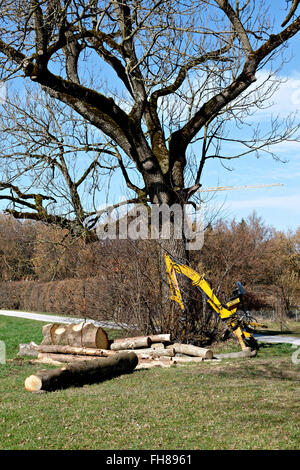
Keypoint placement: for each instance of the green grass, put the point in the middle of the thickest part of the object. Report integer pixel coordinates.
(232, 404)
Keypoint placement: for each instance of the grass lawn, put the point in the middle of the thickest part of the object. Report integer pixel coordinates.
(233, 404)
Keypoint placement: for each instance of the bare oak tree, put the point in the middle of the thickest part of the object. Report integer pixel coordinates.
(177, 72)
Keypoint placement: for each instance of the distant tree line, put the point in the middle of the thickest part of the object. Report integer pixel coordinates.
(44, 268)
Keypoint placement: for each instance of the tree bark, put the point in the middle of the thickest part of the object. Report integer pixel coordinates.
(82, 373)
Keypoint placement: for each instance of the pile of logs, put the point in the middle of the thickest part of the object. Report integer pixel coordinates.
(75, 342)
(91, 357)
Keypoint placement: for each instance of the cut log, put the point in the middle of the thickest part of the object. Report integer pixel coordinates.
(142, 342)
(247, 352)
(64, 357)
(162, 352)
(82, 372)
(191, 350)
(162, 338)
(78, 335)
(56, 348)
(94, 337)
(156, 353)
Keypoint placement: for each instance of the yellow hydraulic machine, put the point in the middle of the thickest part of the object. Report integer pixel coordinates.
(240, 322)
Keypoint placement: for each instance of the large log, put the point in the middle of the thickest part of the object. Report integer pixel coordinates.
(56, 348)
(78, 335)
(161, 338)
(191, 350)
(94, 337)
(47, 357)
(82, 372)
(142, 342)
(247, 352)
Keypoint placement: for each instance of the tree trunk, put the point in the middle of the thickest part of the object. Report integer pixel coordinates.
(173, 318)
(81, 373)
(177, 249)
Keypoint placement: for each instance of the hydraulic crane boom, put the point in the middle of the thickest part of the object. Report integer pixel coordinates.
(242, 325)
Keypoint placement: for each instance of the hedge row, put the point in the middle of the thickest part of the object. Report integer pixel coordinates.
(73, 297)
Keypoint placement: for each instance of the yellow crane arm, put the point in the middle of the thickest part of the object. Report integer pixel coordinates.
(227, 313)
(198, 280)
